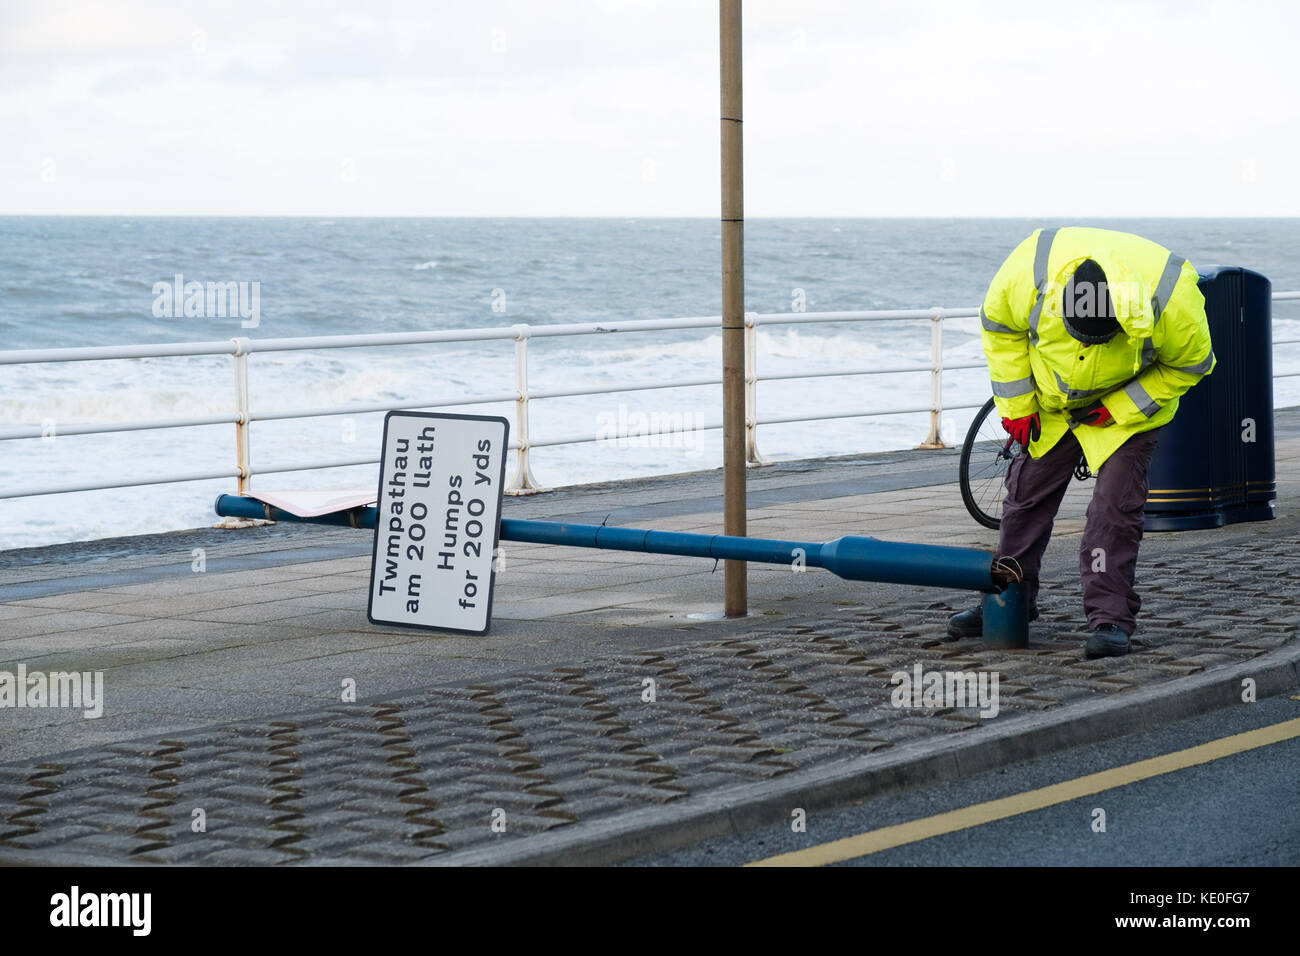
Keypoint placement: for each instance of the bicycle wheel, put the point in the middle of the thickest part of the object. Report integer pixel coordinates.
(985, 457)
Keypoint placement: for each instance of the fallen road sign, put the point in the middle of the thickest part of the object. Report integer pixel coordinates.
(437, 521)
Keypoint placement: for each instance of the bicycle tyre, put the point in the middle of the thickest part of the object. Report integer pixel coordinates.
(982, 471)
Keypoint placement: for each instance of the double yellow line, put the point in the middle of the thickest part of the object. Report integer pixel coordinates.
(873, 841)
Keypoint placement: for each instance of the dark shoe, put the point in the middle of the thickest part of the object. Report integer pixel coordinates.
(971, 623)
(967, 623)
(1107, 640)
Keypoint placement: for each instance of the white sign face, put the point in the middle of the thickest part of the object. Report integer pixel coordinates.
(437, 521)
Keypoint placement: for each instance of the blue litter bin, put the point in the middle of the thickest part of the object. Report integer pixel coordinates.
(1214, 462)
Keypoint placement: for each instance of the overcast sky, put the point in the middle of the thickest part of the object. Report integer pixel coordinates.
(610, 108)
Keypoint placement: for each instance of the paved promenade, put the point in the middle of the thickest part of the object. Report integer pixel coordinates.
(224, 688)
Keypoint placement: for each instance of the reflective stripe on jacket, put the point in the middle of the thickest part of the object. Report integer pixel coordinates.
(1163, 347)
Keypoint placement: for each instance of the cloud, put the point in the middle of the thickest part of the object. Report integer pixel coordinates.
(609, 107)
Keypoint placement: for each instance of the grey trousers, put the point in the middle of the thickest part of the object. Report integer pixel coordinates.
(1109, 550)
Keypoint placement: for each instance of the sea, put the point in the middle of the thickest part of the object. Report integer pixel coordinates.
(68, 281)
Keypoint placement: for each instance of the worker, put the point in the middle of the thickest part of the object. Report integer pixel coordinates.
(1091, 336)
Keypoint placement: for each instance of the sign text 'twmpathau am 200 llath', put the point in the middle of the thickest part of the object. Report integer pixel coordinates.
(437, 520)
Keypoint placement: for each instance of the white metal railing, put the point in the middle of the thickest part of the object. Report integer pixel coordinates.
(523, 481)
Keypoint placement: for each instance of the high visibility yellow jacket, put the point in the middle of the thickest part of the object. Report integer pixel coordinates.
(1162, 350)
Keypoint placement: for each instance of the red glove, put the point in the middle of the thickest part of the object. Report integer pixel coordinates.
(1023, 430)
(1097, 415)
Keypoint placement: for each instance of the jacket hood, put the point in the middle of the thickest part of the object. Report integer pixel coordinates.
(1131, 296)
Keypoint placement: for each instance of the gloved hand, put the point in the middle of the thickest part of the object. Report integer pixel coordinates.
(1096, 414)
(1023, 430)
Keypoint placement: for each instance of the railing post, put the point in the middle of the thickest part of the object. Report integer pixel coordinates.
(752, 457)
(242, 424)
(522, 482)
(935, 437)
